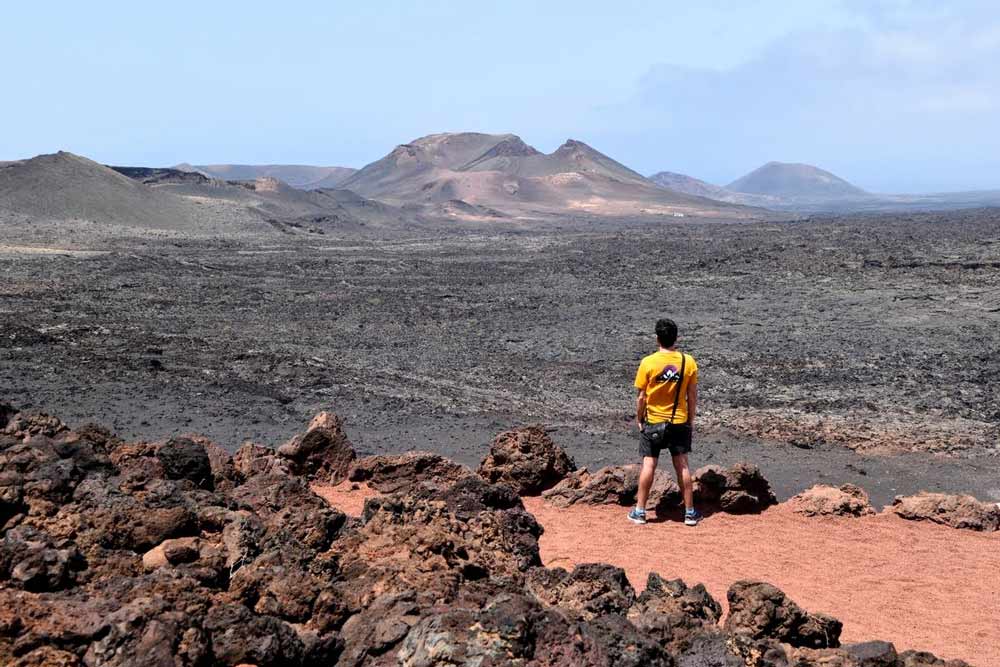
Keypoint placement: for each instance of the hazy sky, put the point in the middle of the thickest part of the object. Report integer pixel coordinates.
(899, 96)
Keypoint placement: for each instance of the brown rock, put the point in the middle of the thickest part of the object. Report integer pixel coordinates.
(761, 611)
(253, 459)
(957, 511)
(589, 591)
(740, 489)
(527, 460)
(323, 453)
(402, 473)
(674, 613)
(611, 485)
(224, 474)
(822, 500)
(172, 552)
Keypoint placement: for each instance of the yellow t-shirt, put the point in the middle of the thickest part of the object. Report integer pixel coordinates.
(658, 374)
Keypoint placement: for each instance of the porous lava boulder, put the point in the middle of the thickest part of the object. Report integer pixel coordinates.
(611, 485)
(527, 460)
(589, 591)
(514, 629)
(323, 453)
(183, 458)
(739, 489)
(675, 614)
(822, 500)
(759, 611)
(957, 511)
(401, 473)
(224, 473)
(254, 459)
(924, 659)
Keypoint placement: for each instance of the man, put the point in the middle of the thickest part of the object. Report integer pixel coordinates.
(667, 381)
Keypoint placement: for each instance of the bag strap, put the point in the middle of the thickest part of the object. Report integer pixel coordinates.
(680, 383)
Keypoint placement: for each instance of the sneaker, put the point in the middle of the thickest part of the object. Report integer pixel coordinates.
(691, 517)
(636, 516)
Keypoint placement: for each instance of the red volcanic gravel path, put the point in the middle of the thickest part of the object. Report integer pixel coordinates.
(918, 585)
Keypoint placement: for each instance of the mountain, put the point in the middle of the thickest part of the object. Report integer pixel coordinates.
(300, 176)
(690, 185)
(793, 180)
(699, 188)
(501, 172)
(64, 186)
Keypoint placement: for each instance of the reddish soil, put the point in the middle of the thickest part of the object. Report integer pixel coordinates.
(917, 585)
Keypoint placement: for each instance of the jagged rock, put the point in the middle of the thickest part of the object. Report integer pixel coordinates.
(402, 473)
(47, 656)
(23, 425)
(611, 485)
(238, 636)
(957, 511)
(30, 559)
(137, 464)
(379, 627)
(873, 654)
(589, 591)
(761, 611)
(512, 629)
(434, 546)
(323, 453)
(925, 659)
(253, 459)
(7, 411)
(526, 459)
(183, 458)
(739, 489)
(288, 509)
(822, 500)
(224, 473)
(674, 614)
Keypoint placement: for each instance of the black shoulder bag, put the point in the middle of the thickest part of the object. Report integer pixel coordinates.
(656, 432)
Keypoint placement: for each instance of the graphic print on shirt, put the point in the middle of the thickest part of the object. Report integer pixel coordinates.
(669, 374)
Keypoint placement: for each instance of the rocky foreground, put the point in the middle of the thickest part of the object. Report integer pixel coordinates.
(176, 553)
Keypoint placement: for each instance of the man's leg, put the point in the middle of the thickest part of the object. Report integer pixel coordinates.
(684, 479)
(645, 480)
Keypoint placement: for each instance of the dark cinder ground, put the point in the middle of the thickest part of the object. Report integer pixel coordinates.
(851, 349)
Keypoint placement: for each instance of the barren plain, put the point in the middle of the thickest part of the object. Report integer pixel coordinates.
(848, 349)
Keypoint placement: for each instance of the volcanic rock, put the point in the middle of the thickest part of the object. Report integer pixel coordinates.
(957, 511)
(739, 489)
(822, 500)
(323, 453)
(873, 654)
(526, 459)
(401, 473)
(183, 458)
(925, 659)
(253, 459)
(611, 485)
(675, 614)
(224, 473)
(761, 611)
(590, 590)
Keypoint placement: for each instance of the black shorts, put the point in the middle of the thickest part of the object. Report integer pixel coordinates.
(676, 439)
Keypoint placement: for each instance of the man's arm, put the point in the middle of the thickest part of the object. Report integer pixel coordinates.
(692, 400)
(640, 408)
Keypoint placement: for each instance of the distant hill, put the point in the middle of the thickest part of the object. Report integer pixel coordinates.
(690, 185)
(305, 177)
(64, 186)
(699, 188)
(500, 172)
(793, 180)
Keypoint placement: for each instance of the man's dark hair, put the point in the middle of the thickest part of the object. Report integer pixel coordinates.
(666, 332)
